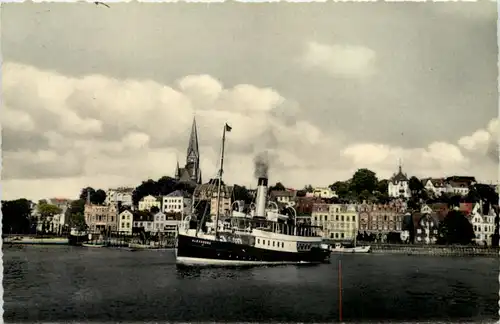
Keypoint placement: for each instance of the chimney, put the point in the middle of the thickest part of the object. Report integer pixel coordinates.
(261, 199)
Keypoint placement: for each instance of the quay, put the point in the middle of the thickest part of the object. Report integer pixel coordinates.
(438, 250)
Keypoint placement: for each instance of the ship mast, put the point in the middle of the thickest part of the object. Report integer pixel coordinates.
(219, 179)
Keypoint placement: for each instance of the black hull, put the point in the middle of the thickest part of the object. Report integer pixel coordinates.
(77, 240)
(194, 251)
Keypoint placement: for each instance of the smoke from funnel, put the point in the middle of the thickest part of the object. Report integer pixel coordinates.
(261, 165)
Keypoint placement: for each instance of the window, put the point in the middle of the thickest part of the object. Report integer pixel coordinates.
(419, 231)
(336, 235)
(342, 235)
(353, 218)
(268, 243)
(336, 217)
(385, 218)
(128, 225)
(273, 243)
(282, 244)
(342, 218)
(347, 218)
(264, 242)
(123, 216)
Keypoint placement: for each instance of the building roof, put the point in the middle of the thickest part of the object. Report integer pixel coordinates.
(281, 193)
(399, 177)
(178, 193)
(436, 182)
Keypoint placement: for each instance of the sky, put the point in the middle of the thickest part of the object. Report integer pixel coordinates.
(105, 97)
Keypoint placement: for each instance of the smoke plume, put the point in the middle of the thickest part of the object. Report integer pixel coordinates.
(261, 165)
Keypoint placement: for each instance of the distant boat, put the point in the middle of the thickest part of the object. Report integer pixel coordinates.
(34, 240)
(93, 245)
(339, 248)
(355, 249)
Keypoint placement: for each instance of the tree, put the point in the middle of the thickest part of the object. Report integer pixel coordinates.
(241, 193)
(341, 188)
(363, 179)
(455, 229)
(48, 210)
(278, 187)
(155, 209)
(308, 188)
(99, 197)
(416, 186)
(383, 186)
(16, 216)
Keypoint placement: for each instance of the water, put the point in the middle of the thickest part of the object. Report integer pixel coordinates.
(70, 283)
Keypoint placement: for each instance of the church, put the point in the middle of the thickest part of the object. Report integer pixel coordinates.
(191, 172)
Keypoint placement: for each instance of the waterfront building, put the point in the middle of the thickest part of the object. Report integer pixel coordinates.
(101, 217)
(166, 222)
(426, 226)
(338, 221)
(143, 220)
(224, 203)
(125, 222)
(399, 185)
(381, 219)
(483, 223)
(148, 202)
(191, 172)
(177, 202)
(121, 195)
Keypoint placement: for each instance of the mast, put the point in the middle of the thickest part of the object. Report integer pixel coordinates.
(219, 178)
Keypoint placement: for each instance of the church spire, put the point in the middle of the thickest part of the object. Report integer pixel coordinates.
(193, 153)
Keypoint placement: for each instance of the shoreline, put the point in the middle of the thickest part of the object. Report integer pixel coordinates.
(436, 250)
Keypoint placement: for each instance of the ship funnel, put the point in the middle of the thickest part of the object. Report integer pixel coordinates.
(261, 200)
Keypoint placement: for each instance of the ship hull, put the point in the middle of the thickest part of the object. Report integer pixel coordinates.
(194, 251)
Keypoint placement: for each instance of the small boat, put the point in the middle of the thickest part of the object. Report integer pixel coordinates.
(28, 240)
(354, 249)
(93, 245)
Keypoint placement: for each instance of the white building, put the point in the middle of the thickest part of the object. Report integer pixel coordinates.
(459, 185)
(285, 197)
(143, 220)
(164, 224)
(122, 195)
(125, 220)
(435, 186)
(483, 225)
(177, 202)
(338, 221)
(399, 185)
(326, 193)
(148, 202)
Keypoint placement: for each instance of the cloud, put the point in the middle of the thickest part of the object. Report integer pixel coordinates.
(339, 60)
(483, 142)
(139, 128)
(475, 154)
(106, 132)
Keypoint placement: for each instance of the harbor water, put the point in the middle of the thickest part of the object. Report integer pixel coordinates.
(63, 283)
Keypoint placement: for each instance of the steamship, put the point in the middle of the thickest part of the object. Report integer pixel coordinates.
(263, 236)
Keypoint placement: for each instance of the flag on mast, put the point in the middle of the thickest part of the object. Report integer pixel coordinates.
(228, 128)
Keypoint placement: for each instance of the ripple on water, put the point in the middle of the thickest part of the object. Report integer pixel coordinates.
(63, 284)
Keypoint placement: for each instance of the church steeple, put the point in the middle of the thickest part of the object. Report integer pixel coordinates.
(193, 154)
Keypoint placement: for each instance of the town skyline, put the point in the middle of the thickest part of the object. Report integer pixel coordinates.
(115, 108)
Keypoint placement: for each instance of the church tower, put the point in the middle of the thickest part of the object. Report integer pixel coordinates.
(191, 171)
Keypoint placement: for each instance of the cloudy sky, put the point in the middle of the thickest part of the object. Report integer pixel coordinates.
(106, 97)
